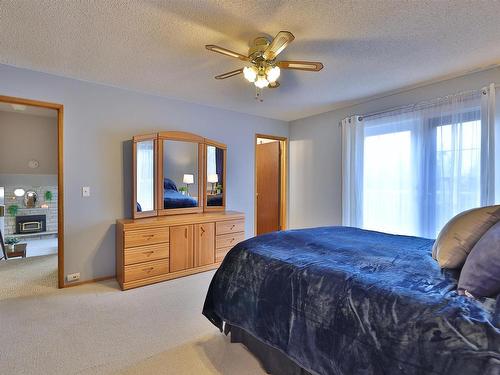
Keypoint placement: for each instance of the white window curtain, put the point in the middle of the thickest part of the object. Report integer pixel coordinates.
(410, 170)
(352, 171)
(211, 161)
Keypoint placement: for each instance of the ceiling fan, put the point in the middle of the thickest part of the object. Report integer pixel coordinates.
(263, 69)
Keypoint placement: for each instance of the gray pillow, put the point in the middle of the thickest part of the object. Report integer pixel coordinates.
(461, 233)
(481, 273)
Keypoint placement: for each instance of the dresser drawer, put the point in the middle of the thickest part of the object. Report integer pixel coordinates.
(145, 270)
(228, 240)
(145, 237)
(146, 253)
(221, 253)
(230, 226)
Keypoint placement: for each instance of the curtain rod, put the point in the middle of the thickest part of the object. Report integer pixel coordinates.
(409, 106)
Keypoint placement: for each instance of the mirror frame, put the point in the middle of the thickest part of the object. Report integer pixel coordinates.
(222, 146)
(158, 139)
(135, 140)
(181, 137)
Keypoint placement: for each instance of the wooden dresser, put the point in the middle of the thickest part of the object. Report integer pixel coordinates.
(161, 248)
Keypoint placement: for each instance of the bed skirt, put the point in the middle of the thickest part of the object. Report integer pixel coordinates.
(272, 360)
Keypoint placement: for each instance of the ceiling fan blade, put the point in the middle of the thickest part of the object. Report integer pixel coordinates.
(229, 74)
(273, 85)
(311, 66)
(227, 52)
(279, 43)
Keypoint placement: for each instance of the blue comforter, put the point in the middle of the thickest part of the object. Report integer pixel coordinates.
(174, 199)
(340, 300)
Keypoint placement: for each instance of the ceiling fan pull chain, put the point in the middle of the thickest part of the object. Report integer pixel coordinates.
(258, 94)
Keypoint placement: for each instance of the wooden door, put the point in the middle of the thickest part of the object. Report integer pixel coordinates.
(268, 187)
(204, 244)
(181, 247)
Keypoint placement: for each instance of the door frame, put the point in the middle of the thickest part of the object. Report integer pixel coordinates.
(283, 178)
(60, 177)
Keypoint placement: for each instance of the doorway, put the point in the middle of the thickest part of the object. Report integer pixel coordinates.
(270, 183)
(31, 183)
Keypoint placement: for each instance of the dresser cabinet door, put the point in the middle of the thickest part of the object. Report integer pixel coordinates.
(181, 247)
(204, 244)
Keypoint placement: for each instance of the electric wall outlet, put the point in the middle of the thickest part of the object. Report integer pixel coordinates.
(73, 276)
(86, 191)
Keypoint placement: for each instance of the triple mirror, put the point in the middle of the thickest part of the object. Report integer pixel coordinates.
(177, 173)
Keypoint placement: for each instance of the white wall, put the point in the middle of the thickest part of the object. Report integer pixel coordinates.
(98, 122)
(315, 149)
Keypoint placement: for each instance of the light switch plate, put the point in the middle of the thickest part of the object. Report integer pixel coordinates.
(86, 191)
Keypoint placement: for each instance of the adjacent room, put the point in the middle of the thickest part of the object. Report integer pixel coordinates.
(29, 197)
(219, 187)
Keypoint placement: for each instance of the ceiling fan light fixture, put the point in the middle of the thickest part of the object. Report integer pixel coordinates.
(261, 82)
(250, 73)
(272, 73)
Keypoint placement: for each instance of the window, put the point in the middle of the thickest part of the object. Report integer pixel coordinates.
(419, 170)
(458, 168)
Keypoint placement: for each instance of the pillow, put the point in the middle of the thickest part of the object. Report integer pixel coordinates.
(168, 184)
(460, 234)
(481, 273)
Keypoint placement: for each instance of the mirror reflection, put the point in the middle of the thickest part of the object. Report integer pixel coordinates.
(215, 176)
(180, 171)
(30, 199)
(145, 165)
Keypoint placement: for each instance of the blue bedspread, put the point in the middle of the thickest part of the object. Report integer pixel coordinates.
(340, 300)
(175, 199)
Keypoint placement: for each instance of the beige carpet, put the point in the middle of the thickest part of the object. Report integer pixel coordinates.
(98, 329)
(21, 277)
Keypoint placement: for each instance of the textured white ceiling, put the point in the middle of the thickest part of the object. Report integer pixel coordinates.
(368, 47)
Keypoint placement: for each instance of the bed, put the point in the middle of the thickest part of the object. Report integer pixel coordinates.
(214, 200)
(172, 198)
(339, 300)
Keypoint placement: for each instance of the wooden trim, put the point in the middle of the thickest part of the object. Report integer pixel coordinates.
(169, 276)
(144, 137)
(60, 173)
(266, 136)
(284, 184)
(159, 179)
(215, 143)
(174, 220)
(34, 103)
(283, 179)
(83, 282)
(60, 197)
(181, 136)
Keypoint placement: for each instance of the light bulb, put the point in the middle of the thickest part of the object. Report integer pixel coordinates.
(19, 192)
(261, 82)
(272, 73)
(250, 73)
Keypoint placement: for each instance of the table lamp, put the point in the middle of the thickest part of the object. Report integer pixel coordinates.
(188, 180)
(213, 179)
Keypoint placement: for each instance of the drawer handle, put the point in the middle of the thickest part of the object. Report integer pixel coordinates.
(148, 235)
(232, 239)
(148, 269)
(148, 253)
(232, 226)
(202, 231)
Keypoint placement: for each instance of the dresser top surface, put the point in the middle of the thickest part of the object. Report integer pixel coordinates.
(182, 219)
